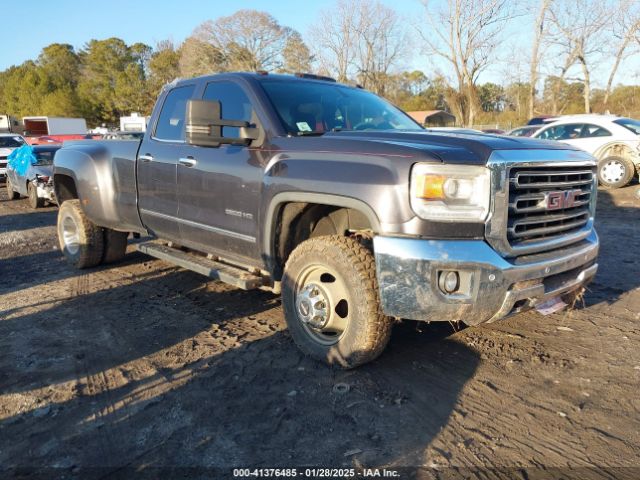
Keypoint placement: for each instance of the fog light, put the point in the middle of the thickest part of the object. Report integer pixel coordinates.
(449, 282)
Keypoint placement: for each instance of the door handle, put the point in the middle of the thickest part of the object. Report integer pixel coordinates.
(187, 162)
(145, 158)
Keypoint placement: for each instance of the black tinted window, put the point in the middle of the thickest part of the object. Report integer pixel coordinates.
(234, 103)
(171, 122)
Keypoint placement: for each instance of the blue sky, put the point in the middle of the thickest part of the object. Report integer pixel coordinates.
(75, 22)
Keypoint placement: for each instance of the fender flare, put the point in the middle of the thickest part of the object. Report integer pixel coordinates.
(268, 239)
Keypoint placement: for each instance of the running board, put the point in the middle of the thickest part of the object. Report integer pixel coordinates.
(203, 265)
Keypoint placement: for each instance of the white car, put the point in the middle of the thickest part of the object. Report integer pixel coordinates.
(613, 140)
(8, 143)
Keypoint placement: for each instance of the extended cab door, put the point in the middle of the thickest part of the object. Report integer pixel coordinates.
(157, 165)
(219, 187)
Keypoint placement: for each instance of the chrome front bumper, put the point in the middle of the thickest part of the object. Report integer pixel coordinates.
(491, 286)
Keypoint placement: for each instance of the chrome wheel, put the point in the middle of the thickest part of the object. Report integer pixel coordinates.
(322, 304)
(70, 235)
(613, 171)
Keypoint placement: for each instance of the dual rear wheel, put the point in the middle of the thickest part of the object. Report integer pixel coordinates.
(84, 243)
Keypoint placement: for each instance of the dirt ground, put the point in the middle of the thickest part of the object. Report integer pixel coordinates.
(141, 366)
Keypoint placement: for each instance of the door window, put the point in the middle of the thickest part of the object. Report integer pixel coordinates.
(171, 121)
(234, 104)
(562, 132)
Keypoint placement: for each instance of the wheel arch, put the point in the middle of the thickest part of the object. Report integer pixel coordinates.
(289, 212)
(616, 148)
(64, 187)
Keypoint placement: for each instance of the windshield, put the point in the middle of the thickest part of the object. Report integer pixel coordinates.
(629, 124)
(310, 108)
(11, 142)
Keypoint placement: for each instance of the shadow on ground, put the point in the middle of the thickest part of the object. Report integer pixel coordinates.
(219, 385)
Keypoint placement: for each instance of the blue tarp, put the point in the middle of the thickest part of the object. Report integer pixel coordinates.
(20, 159)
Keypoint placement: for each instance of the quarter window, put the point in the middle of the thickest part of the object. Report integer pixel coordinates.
(171, 121)
(589, 131)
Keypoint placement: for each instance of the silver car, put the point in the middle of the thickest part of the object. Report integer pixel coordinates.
(37, 182)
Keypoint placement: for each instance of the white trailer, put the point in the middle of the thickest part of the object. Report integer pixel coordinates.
(134, 123)
(41, 126)
(9, 124)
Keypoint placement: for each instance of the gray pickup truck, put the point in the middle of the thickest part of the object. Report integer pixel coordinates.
(336, 199)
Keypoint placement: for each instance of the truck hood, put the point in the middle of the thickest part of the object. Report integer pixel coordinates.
(4, 152)
(448, 147)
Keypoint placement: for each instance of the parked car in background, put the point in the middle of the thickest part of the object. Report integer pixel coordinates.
(452, 130)
(122, 135)
(541, 120)
(525, 131)
(8, 143)
(31, 175)
(495, 131)
(613, 140)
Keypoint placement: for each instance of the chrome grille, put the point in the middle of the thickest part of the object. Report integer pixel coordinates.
(548, 202)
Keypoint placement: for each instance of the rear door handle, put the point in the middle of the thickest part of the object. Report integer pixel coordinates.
(187, 162)
(145, 158)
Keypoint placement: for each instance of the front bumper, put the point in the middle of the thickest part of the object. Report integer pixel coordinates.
(491, 286)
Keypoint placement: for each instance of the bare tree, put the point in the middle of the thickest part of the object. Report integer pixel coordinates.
(360, 40)
(466, 34)
(382, 43)
(578, 31)
(625, 28)
(539, 33)
(335, 39)
(249, 40)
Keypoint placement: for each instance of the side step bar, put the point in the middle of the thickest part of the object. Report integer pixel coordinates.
(203, 265)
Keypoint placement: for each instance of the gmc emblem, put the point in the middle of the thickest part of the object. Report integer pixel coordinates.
(561, 199)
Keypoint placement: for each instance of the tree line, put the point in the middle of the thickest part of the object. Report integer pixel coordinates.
(366, 43)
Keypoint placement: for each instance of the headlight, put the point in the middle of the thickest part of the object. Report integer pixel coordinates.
(450, 193)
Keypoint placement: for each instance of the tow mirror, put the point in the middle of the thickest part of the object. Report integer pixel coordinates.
(204, 126)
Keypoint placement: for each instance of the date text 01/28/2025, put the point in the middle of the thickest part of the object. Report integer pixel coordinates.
(315, 473)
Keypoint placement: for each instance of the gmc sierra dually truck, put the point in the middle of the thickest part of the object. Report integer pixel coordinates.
(339, 201)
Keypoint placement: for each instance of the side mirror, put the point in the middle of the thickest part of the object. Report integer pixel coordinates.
(204, 126)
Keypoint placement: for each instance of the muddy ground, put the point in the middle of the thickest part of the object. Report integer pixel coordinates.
(141, 365)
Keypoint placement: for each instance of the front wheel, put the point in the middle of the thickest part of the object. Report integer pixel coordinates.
(615, 172)
(11, 193)
(331, 302)
(81, 240)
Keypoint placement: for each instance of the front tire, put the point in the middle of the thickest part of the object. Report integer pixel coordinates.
(615, 172)
(81, 240)
(331, 302)
(11, 193)
(34, 200)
